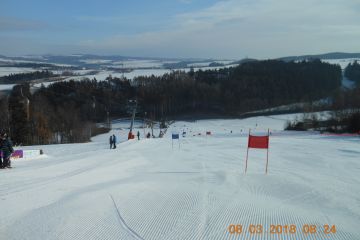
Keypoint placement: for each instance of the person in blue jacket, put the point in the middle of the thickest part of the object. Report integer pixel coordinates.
(111, 140)
(114, 141)
(6, 149)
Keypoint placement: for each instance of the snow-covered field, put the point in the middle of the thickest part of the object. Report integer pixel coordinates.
(6, 86)
(103, 74)
(147, 190)
(142, 68)
(4, 71)
(139, 64)
(342, 62)
(347, 84)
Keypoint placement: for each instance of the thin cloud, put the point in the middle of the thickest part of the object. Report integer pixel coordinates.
(185, 1)
(263, 28)
(15, 24)
(228, 29)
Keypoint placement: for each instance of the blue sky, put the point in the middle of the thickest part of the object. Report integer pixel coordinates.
(180, 28)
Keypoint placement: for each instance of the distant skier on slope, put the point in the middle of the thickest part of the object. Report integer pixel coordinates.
(6, 149)
(114, 141)
(138, 135)
(111, 141)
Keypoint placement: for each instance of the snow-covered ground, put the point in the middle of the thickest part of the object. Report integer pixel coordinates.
(138, 64)
(201, 64)
(342, 62)
(347, 84)
(4, 71)
(103, 74)
(148, 190)
(95, 61)
(142, 68)
(6, 86)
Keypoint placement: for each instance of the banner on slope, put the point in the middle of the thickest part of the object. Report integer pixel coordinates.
(25, 154)
(17, 154)
(260, 142)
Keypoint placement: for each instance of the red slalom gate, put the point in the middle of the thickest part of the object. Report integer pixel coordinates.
(260, 142)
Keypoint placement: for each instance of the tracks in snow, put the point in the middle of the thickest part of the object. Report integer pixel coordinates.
(123, 223)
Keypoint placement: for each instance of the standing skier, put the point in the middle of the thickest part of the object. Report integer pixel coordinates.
(114, 141)
(138, 135)
(6, 149)
(111, 141)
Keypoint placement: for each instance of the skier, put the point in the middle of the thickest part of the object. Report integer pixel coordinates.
(138, 135)
(114, 141)
(6, 149)
(111, 142)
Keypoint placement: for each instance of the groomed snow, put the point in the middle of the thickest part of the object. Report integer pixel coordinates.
(147, 190)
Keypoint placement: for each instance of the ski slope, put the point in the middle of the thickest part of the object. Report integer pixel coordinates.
(148, 190)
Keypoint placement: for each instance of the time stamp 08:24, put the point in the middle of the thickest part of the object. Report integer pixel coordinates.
(282, 229)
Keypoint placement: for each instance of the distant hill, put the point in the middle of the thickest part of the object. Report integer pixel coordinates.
(244, 60)
(333, 55)
(98, 61)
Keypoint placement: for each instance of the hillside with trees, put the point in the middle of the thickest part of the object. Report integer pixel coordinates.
(345, 115)
(352, 72)
(67, 111)
(250, 86)
(25, 77)
(64, 112)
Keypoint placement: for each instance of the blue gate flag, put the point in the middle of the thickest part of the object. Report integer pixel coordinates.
(175, 136)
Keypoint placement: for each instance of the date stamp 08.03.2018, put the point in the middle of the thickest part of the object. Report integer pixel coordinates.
(282, 229)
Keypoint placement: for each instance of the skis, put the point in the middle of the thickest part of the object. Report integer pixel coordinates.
(6, 168)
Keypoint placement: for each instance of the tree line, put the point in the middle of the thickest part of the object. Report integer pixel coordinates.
(345, 106)
(24, 77)
(67, 111)
(352, 72)
(232, 91)
(345, 115)
(63, 112)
